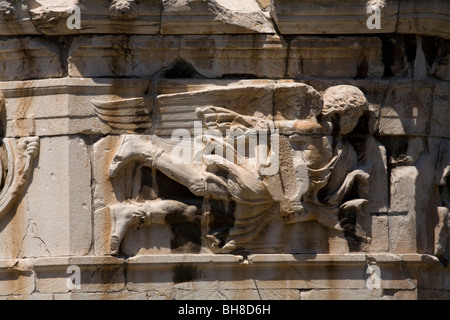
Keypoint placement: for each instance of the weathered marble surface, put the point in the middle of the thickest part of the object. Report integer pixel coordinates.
(170, 17)
(344, 196)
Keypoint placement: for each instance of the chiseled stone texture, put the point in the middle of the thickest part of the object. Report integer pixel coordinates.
(91, 112)
(335, 57)
(215, 16)
(121, 56)
(71, 213)
(28, 58)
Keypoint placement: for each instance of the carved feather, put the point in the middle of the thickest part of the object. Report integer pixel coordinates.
(125, 114)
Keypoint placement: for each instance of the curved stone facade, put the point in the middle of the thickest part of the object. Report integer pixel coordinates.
(222, 149)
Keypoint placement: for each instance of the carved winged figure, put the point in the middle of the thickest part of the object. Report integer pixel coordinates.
(318, 139)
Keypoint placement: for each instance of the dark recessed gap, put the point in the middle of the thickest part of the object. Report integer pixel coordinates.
(181, 70)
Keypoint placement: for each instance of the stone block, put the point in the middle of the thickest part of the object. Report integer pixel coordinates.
(402, 295)
(16, 277)
(97, 274)
(217, 295)
(67, 107)
(316, 17)
(101, 296)
(441, 115)
(61, 196)
(242, 56)
(341, 294)
(423, 17)
(121, 56)
(322, 271)
(14, 283)
(407, 111)
(214, 17)
(96, 17)
(161, 295)
(409, 99)
(29, 58)
(156, 273)
(402, 224)
(147, 239)
(348, 57)
(380, 234)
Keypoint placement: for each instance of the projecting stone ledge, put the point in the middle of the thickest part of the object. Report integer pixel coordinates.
(170, 17)
(350, 17)
(298, 276)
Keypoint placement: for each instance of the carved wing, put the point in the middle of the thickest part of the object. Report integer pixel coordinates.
(125, 114)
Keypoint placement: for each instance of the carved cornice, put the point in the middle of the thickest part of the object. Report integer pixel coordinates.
(223, 17)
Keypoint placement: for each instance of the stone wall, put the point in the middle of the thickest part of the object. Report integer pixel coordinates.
(128, 165)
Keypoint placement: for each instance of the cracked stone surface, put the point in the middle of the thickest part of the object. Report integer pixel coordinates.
(224, 149)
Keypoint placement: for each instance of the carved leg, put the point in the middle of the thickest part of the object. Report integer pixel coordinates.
(155, 211)
(187, 175)
(123, 216)
(169, 211)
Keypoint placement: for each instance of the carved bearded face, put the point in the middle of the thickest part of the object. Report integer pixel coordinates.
(343, 105)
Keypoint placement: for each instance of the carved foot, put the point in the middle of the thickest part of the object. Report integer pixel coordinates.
(114, 245)
(229, 247)
(122, 217)
(213, 244)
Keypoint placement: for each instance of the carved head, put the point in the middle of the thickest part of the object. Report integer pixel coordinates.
(123, 9)
(7, 10)
(343, 105)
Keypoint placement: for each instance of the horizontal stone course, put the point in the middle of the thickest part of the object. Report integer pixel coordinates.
(266, 277)
(219, 17)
